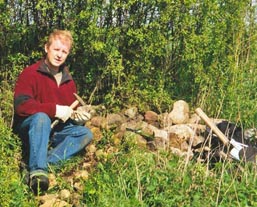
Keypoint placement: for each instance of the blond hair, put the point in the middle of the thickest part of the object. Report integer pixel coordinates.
(64, 35)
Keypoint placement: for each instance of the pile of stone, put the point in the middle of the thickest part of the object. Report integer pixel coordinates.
(177, 130)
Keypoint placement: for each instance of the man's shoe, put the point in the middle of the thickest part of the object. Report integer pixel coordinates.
(39, 183)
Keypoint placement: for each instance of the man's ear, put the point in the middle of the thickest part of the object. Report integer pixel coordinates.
(46, 48)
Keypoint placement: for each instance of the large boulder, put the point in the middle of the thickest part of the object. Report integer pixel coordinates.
(180, 112)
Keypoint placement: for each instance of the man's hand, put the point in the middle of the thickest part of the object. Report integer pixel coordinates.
(81, 115)
(63, 112)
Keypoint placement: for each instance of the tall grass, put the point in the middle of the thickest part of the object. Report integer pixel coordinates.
(13, 192)
(157, 179)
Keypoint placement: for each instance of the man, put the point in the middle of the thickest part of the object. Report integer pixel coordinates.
(43, 92)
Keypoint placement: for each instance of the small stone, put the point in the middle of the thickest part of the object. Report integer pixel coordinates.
(46, 197)
(100, 154)
(164, 120)
(97, 133)
(64, 194)
(52, 180)
(195, 119)
(60, 203)
(83, 174)
(78, 186)
(131, 112)
(76, 198)
(116, 138)
(91, 148)
(99, 121)
(151, 116)
(114, 120)
(48, 200)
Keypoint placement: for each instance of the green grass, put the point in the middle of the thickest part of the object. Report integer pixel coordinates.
(161, 179)
(12, 192)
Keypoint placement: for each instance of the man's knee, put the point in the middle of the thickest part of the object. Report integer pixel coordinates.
(41, 118)
(87, 137)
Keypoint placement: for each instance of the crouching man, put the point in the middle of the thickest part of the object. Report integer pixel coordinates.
(43, 92)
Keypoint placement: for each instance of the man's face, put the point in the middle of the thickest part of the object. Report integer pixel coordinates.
(57, 53)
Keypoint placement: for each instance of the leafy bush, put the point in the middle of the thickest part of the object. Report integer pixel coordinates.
(157, 50)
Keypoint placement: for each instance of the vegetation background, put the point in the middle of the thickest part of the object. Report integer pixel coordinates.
(146, 53)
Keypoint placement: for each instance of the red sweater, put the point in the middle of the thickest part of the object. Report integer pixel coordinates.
(36, 90)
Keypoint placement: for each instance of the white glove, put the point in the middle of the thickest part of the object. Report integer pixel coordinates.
(63, 112)
(80, 116)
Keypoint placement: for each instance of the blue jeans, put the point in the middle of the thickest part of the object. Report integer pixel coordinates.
(48, 145)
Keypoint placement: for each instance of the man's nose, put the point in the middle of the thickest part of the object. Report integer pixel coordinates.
(59, 54)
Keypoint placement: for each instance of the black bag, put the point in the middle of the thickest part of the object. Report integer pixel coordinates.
(247, 150)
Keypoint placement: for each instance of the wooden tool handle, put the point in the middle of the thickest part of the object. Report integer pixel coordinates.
(213, 127)
(73, 105)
